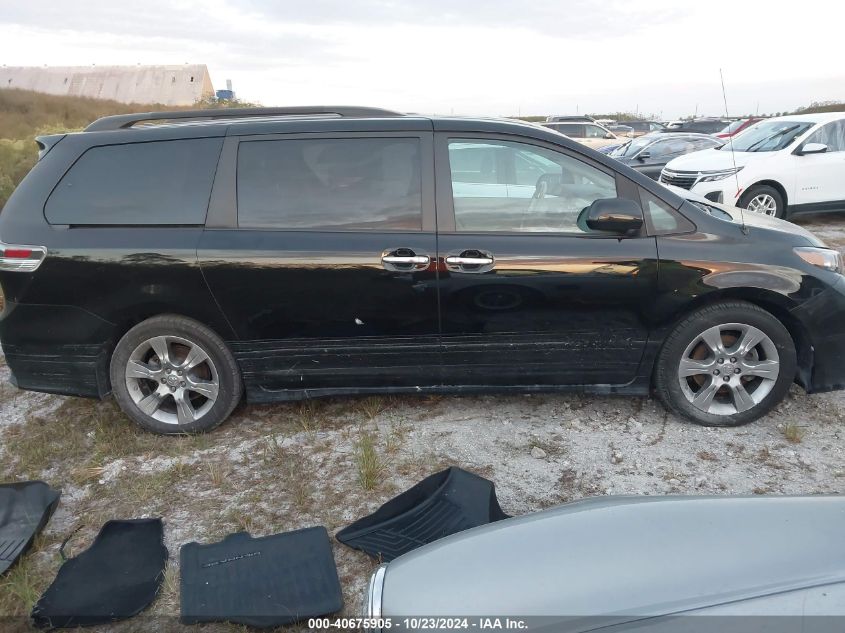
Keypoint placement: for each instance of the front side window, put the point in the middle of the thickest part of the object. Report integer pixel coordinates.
(832, 135)
(572, 130)
(521, 187)
(594, 131)
(153, 183)
(332, 184)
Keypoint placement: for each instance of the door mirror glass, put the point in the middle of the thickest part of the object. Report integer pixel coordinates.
(614, 215)
(814, 148)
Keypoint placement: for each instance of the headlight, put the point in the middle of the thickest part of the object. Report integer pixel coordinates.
(719, 175)
(826, 258)
(372, 603)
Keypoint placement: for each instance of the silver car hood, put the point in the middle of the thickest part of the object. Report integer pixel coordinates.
(624, 556)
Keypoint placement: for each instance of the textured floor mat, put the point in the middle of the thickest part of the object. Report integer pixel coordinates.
(25, 509)
(444, 503)
(268, 581)
(114, 579)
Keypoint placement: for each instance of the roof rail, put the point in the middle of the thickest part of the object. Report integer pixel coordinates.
(125, 121)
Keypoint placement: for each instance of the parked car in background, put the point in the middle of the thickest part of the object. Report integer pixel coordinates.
(590, 134)
(779, 166)
(598, 564)
(737, 126)
(607, 149)
(640, 128)
(703, 126)
(179, 259)
(570, 117)
(649, 154)
(621, 130)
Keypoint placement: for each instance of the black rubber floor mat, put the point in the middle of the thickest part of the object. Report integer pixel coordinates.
(444, 503)
(268, 581)
(25, 509)
(114, 579)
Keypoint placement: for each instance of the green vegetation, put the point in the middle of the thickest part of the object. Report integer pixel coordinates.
(25, 114)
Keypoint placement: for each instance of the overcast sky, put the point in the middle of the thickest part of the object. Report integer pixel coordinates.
(488, 57)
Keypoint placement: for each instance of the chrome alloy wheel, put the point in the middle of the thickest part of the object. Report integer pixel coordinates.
(728, 368)
(172, 380)
(763, 203)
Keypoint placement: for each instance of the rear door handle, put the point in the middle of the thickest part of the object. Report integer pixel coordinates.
(470, 261)
(404, 259)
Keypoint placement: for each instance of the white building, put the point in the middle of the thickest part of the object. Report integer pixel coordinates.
(167, 85)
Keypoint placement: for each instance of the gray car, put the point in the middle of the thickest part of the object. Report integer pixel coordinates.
(634, 563)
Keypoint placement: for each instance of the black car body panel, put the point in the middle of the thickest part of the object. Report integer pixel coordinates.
(316, 312)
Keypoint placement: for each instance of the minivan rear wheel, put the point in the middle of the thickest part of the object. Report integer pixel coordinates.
(172, 375)
(725, 365)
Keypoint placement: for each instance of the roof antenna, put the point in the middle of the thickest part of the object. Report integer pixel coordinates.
(733, 156)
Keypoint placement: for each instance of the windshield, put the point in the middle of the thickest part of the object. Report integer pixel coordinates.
(767, 136)
(631, 148)
(733, 127)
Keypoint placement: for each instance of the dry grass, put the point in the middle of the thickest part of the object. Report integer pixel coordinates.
(370, 465)
(793, 433)
(371, 406)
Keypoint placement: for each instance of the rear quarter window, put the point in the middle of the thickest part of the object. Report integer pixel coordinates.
(152, 183)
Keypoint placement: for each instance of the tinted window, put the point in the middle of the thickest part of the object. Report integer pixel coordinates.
(832, 135)
(162, 182)
(523, 188)
(661, 218)
(337, 184)
(573, 130)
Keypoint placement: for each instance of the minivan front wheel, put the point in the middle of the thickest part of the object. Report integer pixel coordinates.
(725, 365)
(764, 199)
(173, 375)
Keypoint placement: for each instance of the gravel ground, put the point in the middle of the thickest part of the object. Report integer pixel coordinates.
(277, 468)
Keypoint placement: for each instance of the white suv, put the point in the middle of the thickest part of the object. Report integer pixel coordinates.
(779, 166)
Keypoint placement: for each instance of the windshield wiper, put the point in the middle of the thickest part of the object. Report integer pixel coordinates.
(751, 147)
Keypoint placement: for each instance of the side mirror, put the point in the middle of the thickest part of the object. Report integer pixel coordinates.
(643, 156)
(609, 135)
(614, 215)
(814, 148)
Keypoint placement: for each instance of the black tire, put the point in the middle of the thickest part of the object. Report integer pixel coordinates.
(676, 396)
(217, 369)
(764, 190)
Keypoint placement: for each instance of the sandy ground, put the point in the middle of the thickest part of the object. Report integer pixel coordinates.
(276, 468)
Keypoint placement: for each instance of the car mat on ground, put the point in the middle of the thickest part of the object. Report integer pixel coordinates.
(264, 582)
(25, 509)
(114, 579)
(447, 502)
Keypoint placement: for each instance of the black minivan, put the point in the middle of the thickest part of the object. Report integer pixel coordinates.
(179, 260)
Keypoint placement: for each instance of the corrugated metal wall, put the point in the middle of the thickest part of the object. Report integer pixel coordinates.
(168, 85)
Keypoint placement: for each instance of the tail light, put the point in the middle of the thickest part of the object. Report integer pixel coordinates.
(23, 259)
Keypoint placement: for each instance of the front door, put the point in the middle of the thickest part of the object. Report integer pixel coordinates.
(328, 277)
(528, 295)
(819, 177)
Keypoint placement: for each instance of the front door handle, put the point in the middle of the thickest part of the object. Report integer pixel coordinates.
(404, 260)
(470, 261)
(457, 260)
